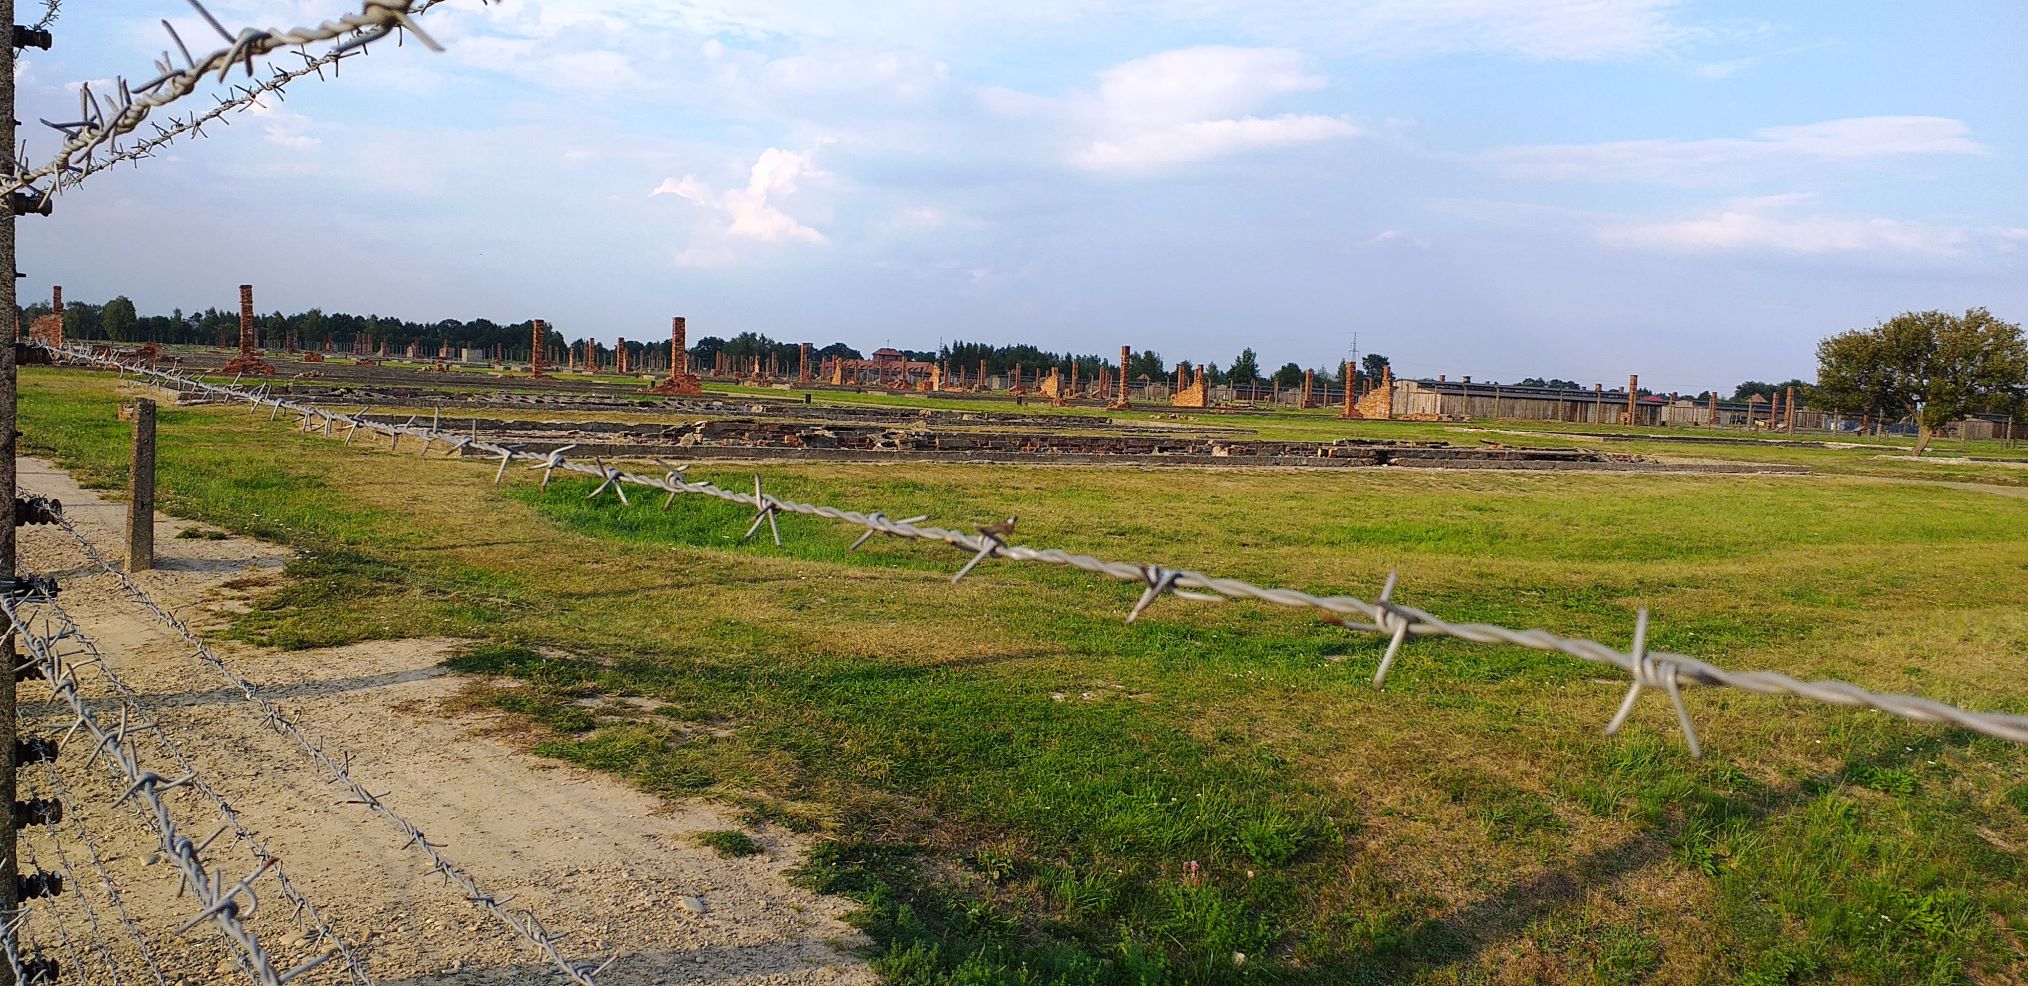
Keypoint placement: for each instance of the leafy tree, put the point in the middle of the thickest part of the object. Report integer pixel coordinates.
(1147, 363)
(1551, 384)
(1373, 364)
(1291, 375)
(1245, 368)
(1935, 366)
(80, 321)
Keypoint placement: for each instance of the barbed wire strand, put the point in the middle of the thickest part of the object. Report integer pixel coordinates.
(68, 944)
(105, 881)
(28, 971)
(318, 931)
(525, 924)
(98, 936)
(219, 901)
(50, 8)
(243, 97)
(101, 126)
(1661, 670)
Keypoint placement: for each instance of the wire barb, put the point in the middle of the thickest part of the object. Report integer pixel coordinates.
(1389, 619)
(765, 507)
(1651, 672)
(988, 544)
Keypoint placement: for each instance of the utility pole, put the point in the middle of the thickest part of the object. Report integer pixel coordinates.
(10, 330)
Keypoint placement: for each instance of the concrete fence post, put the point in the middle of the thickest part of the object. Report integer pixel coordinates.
(141, 491)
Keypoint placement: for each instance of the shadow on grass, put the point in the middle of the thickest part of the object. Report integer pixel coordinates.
(1457, 941)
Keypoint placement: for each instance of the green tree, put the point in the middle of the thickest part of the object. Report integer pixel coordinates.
(1374, 364)
(1935, 366)
(1147, 363)
(80, 321)
(1245, 368)
(1290, 375)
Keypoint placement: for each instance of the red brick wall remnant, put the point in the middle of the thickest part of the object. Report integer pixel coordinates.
(680, 380)
(1052, 387)
(248, 360)
(48, 329)
(1378, 404)
(1197, 394)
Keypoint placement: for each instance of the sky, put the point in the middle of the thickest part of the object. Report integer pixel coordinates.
(1692, 191)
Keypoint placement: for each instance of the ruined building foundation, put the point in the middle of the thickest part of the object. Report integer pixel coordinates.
(680, 381)
(248, 361)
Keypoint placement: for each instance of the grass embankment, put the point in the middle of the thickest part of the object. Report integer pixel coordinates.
(1022, 788)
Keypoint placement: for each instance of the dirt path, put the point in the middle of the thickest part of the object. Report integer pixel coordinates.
(605, 866)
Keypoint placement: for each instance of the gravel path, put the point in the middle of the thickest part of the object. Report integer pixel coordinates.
(604, 865)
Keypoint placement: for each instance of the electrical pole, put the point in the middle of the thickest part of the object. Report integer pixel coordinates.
(10, 330)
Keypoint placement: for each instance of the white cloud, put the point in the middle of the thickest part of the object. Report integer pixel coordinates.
(751, 211)
(1692, 162)
(916, 219)
(283, 127)
(1393, 238)
(701, 258)
(1187, 105)
(1541, 29)
(1759, 224)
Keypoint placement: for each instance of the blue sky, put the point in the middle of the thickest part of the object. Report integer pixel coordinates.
(1695, 192)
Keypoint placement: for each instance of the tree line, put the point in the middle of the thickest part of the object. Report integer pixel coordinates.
(118, 321)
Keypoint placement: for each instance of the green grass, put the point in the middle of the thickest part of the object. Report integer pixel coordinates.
(1019, 787)
(730, 843)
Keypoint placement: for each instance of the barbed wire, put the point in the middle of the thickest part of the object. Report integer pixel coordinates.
(68, 944)
(243, 97)
(1662, 670)
(105, 880)
(98, 937)
(524, 924)
(50, 8)
(102, 125)
(219, 901)
(319, 931)
(28, 971)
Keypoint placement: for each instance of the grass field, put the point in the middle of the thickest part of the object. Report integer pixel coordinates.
(1021, 788)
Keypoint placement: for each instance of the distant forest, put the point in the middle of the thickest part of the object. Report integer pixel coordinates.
(117, 321)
